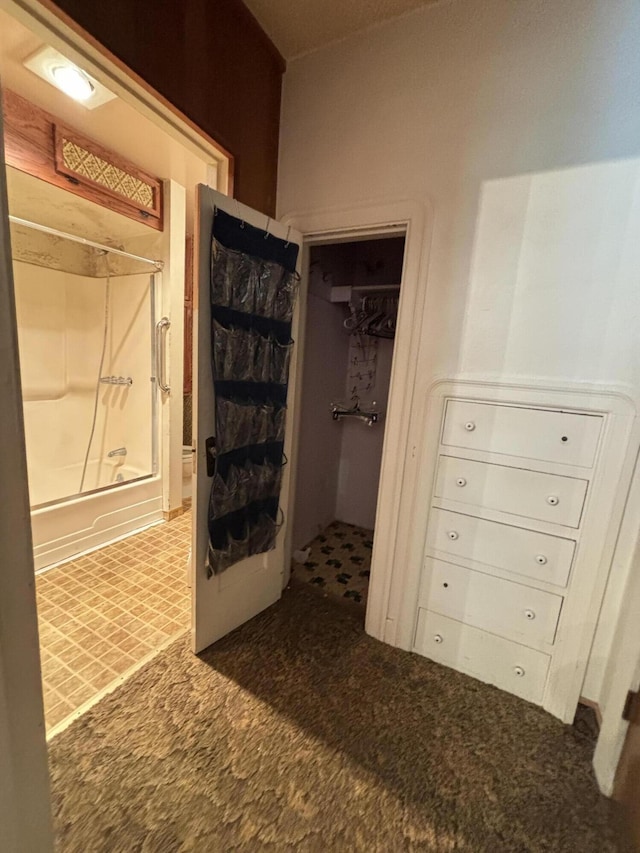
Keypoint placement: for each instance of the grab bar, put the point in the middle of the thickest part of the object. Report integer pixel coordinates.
(162, 326)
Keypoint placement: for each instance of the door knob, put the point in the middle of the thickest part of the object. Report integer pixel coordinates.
(461, 482)
(469, 426)
(519, 671)
(453, 534)
(541, 559)
(530, 614)
(554, 500)
(437, 638)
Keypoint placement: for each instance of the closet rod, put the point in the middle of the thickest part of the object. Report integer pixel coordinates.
(45, 228)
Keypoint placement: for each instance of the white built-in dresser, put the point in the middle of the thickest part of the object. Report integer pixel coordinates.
(525, 504)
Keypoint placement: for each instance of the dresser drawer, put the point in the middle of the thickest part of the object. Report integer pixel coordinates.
(512, 610)
(553, 436)
(492, 659)
(531, 494)
(514, 549)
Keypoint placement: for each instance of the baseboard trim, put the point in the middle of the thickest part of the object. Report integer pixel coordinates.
(169, 515)
(591, 704)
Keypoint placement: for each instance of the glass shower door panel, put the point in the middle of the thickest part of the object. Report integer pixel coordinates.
(122, 449)
(86, 356)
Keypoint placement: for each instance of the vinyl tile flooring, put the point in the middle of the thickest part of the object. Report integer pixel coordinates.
(339, 563)
(102, 614)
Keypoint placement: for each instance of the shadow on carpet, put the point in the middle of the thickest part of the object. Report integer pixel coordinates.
(300, 733)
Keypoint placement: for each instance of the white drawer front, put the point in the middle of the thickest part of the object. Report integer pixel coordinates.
(510, 609)
(514, 549)
(492, 659)
(563, 437)
(548, 497)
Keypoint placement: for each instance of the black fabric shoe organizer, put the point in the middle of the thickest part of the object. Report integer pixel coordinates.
(253, 289)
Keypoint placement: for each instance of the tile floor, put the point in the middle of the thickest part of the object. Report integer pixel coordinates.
(339, 564)
(101, 614)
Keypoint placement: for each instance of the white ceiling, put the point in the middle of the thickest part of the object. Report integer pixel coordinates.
(300, 26)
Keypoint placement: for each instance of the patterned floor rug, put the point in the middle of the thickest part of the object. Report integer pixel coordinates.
(339, 563)
(298, 732)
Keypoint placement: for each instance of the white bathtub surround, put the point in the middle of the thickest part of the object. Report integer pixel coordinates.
(84, 523)
(61, 329)
(61, 326)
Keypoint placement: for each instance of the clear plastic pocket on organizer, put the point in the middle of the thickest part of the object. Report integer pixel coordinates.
(231, 276)
(279, 415)
(263, 533)
(235, 550)
(233, 353)
(233, 493)
(261, 359)
(263, 423)
(280, 358)
(235, 425)
(267, 284)
(285, 297)
(266, 480)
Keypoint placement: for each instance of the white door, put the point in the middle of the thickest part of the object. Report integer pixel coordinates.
(227, 600)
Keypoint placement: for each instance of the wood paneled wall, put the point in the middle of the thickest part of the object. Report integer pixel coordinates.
(211, 59)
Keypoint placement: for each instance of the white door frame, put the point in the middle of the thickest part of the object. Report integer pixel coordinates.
(24, 780)
(623, 665)
(376, 219)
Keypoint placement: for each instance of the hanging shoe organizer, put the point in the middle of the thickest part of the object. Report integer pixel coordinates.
(253, 288)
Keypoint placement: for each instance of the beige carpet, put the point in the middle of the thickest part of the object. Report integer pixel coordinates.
(300, 733)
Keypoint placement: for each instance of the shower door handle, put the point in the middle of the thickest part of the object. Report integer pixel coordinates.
(162, 327)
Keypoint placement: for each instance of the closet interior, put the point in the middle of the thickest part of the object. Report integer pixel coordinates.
(352, 309)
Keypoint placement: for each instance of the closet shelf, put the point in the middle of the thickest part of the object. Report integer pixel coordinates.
(343, 294)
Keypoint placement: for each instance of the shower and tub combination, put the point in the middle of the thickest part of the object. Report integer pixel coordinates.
(92, 364)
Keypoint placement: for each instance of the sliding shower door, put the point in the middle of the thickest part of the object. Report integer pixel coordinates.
(118, 417)
(86, 337)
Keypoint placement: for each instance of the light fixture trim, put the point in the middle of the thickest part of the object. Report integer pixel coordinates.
(46, 61)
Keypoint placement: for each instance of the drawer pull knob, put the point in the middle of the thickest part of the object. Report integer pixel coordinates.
(565, 438)
(541, 560)
(519, 671)
(437, 638)
(453, 534)
(554, 500)
(469, 426)
(530, 614)
(461, 482)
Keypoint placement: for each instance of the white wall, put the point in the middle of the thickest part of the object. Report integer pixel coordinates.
(519, 125)
(324, 376)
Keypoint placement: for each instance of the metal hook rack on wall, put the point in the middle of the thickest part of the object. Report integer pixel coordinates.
(369, 416)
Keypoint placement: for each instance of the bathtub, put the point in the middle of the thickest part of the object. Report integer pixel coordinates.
(64, 528)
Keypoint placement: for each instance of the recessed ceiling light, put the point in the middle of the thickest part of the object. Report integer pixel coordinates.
(73, 82)
(52, 66)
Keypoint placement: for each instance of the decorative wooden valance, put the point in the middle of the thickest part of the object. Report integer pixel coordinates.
(36, 143)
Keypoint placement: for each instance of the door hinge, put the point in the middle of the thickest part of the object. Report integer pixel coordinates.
(631, 711)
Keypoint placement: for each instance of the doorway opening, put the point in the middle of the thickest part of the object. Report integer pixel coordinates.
(101, 203)
(351, 318)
